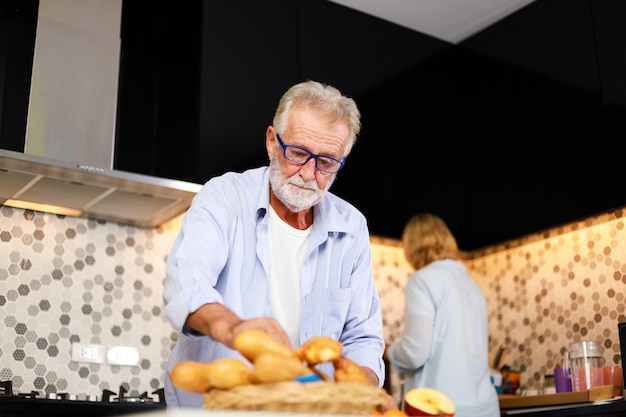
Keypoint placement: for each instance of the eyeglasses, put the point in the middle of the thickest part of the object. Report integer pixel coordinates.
(301, 156)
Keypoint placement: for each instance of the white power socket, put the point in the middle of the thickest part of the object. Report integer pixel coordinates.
(123, 355)
(82, 352)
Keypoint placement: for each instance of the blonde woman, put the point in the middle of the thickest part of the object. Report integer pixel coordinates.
(445, 340)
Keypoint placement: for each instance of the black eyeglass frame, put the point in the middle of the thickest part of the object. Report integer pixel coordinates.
(341, 161)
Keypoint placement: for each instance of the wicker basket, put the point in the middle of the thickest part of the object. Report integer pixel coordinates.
(311, 397)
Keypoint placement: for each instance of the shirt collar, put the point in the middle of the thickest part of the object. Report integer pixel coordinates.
(330, 214)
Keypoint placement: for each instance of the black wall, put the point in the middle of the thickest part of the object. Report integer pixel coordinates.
(18, 24)
(515, 130)
(159, 84)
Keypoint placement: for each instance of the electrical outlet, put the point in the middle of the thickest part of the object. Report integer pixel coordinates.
(123, 355)
(82, 352)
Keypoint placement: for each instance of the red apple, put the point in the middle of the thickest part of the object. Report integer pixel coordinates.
(428, 402)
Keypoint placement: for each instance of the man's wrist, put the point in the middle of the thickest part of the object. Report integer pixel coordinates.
(371, 375)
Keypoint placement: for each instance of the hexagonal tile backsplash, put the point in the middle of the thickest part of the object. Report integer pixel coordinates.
(65, 280)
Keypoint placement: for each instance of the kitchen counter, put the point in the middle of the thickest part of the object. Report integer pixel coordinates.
(207, 413)
(615, 407)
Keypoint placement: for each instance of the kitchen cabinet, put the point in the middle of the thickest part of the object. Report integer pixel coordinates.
(483, 134)
(249, 56)
(158, 88)
(18, 25)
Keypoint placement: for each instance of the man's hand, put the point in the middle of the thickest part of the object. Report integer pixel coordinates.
(268, 325)
(219, 323)
(392, 405)
(370, 375)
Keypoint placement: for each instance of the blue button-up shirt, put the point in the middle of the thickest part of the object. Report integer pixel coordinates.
(222, 255)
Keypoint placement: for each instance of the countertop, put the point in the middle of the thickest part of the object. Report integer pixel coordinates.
(215, 413)
(614, 407)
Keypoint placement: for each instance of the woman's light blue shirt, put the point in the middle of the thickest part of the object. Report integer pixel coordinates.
(445, 341)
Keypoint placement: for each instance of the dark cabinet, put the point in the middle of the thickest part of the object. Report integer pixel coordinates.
(249, 56)
(514, 130)
(506, 134)
(157, 113)
(535, 93)
(18, 24)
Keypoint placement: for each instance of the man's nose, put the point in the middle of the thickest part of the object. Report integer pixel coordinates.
(307, 172)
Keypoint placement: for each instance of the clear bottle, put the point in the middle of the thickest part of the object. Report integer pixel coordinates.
(548, 384)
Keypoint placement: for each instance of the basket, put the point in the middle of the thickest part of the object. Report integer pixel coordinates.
(295, 397)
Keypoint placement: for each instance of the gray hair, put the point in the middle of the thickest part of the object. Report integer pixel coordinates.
(324, 98)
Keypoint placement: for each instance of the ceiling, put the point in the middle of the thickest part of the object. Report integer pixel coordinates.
(449, 20)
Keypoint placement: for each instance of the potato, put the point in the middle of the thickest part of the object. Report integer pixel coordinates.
(251, 343)
(276, 367)
(347, 370)
(227, 373)
(319, 349)
(191, 376)
(199, 378)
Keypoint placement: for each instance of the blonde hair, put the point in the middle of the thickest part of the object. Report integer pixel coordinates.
(426, 238)
(324, 98)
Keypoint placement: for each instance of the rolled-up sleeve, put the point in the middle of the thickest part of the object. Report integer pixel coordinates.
(216, 245)
(195, 261)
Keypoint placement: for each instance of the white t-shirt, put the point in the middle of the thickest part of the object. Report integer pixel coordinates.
(288, 246)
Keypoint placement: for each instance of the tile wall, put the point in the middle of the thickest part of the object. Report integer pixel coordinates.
(65, 280)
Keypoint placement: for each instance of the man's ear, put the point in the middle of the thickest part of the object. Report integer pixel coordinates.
(270, 141)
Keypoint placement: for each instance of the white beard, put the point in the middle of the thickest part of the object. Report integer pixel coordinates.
(294, 192)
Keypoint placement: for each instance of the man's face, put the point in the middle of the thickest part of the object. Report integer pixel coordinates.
(300, 187)
(294, 192)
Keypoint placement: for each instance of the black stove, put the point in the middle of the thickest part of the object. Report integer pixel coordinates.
(109, 403)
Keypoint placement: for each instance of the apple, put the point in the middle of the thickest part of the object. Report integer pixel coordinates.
(428, 402)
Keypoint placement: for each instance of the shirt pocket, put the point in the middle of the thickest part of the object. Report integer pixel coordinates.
(335, 311)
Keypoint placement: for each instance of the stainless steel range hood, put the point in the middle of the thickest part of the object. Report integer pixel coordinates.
(101, 194)
(69, 145)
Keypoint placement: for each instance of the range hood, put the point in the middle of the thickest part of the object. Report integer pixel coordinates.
(67, 163)
(96, 193)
